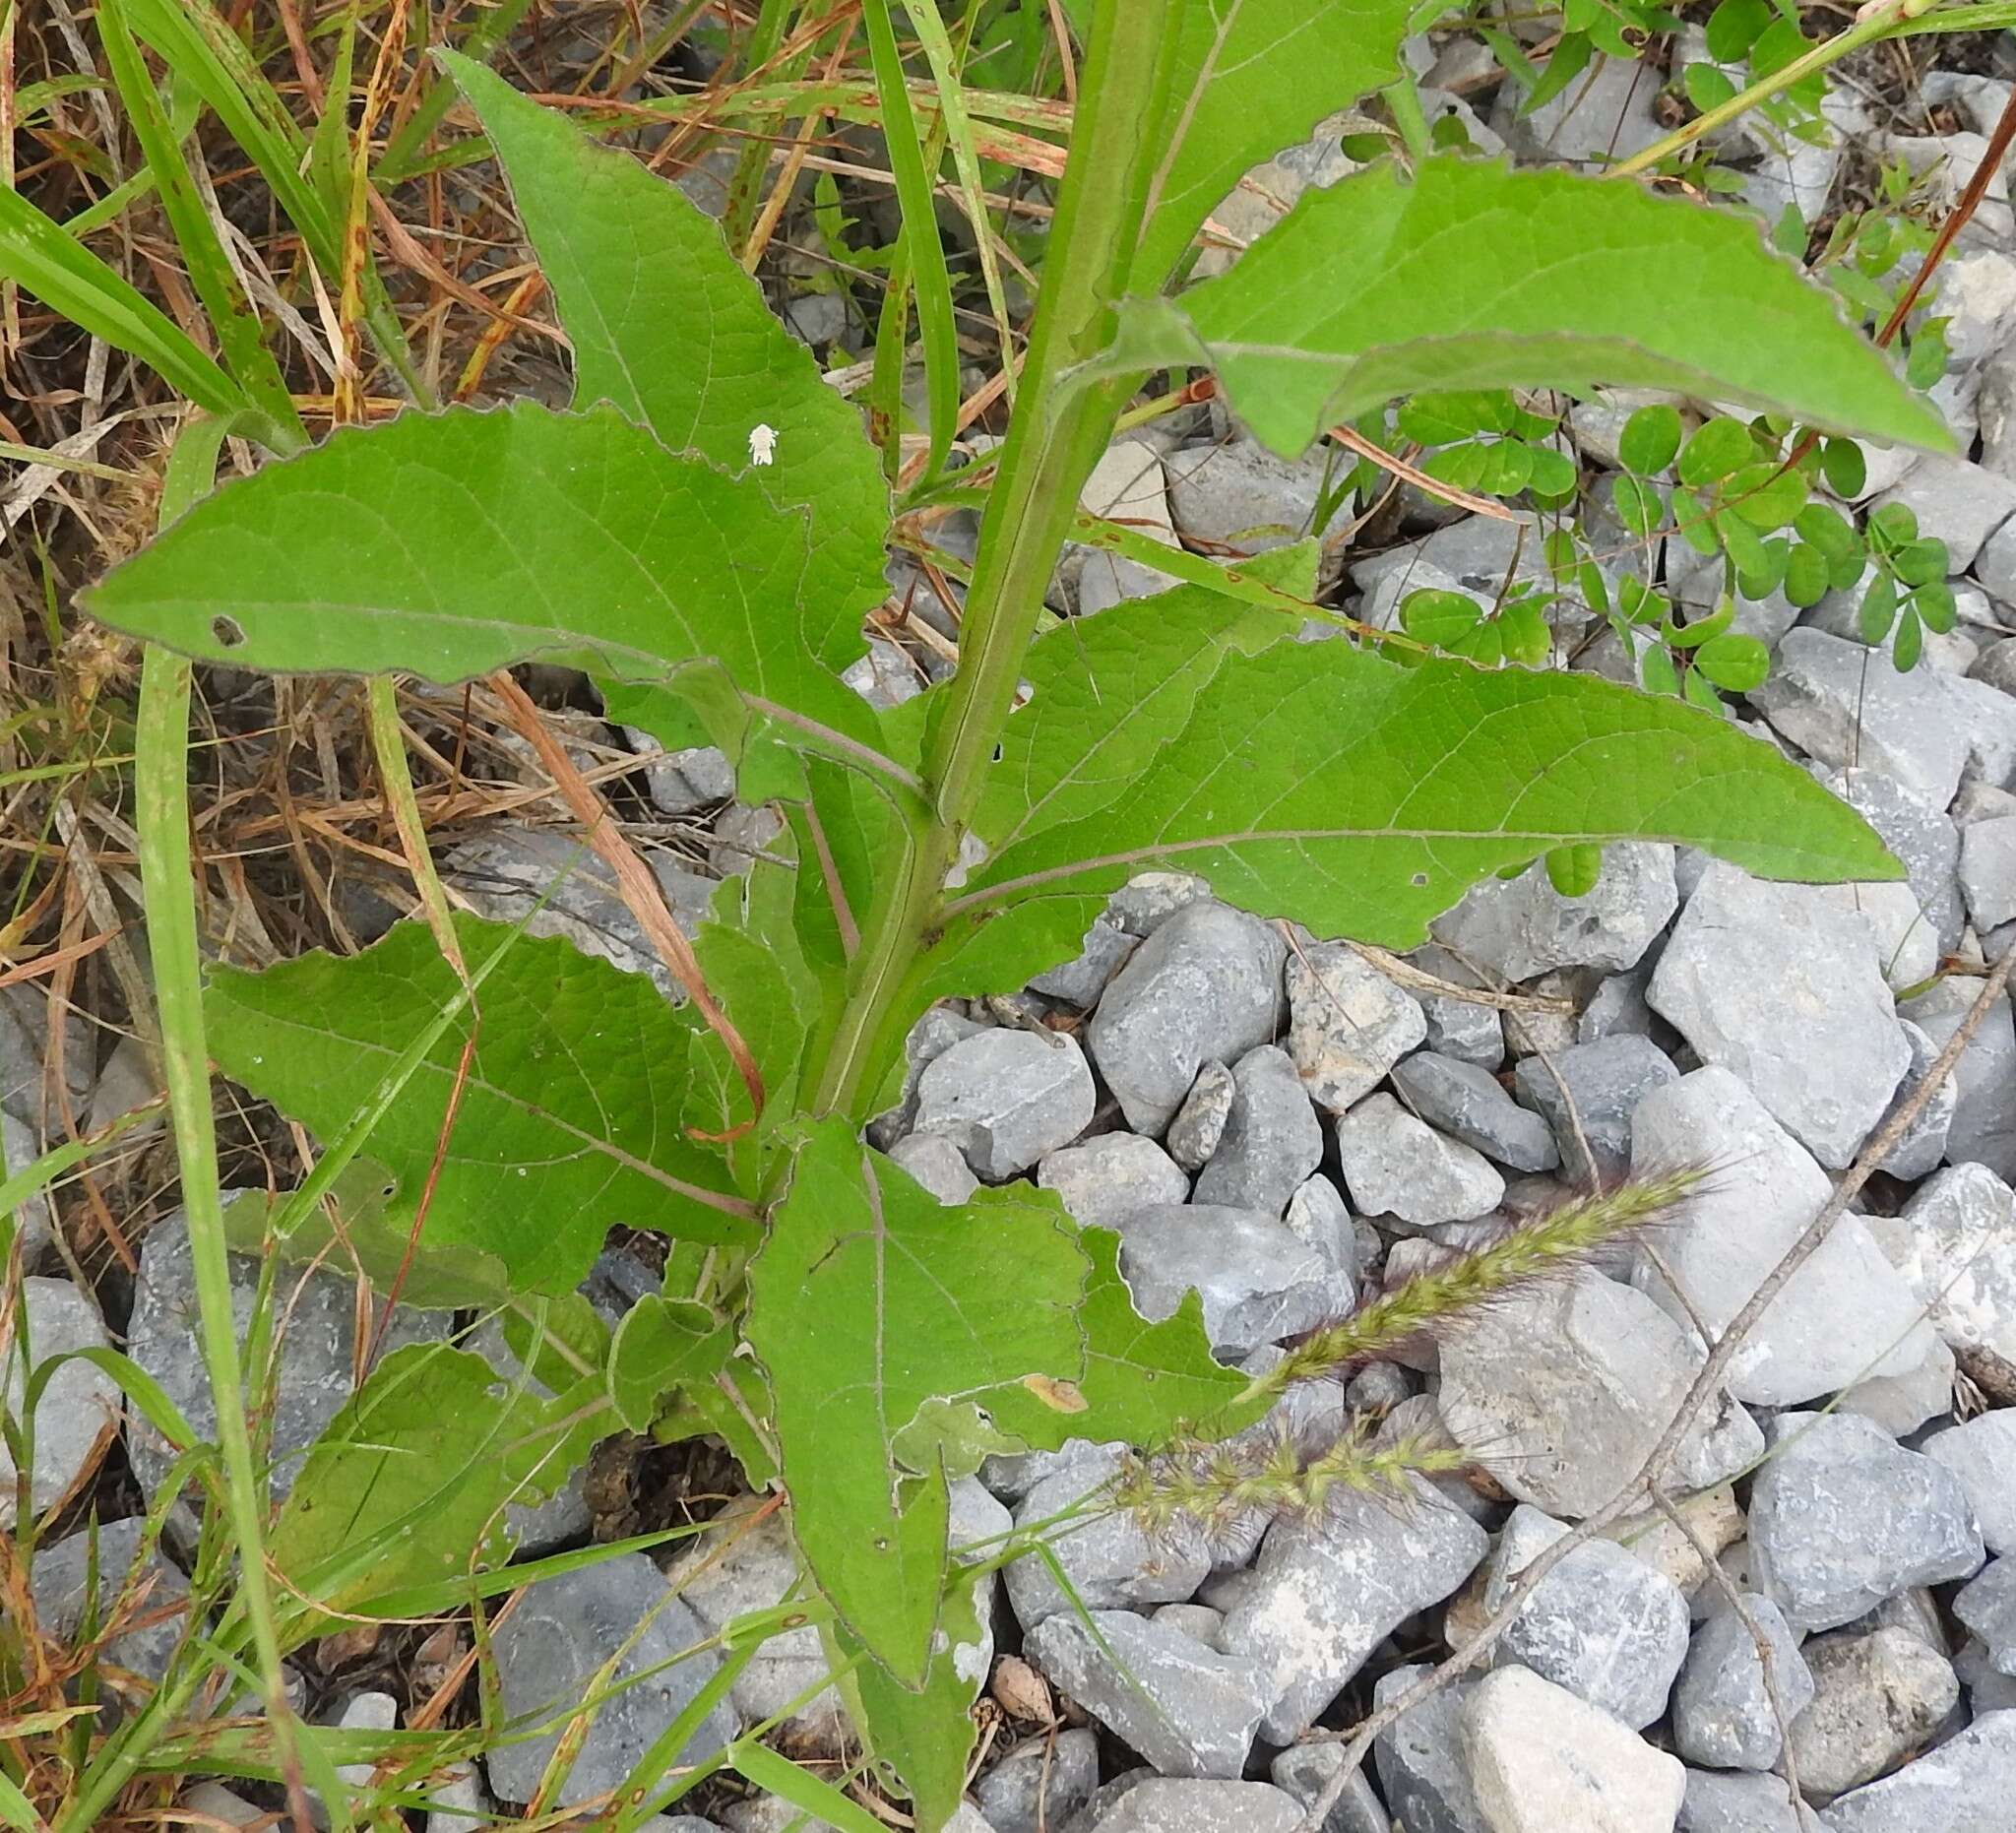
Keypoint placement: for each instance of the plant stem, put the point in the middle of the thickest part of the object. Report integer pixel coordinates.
(1885, 22)
(161, 809)
(1061, 426)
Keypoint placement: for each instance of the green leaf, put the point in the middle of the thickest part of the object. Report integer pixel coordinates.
(1651, 437)
(1909, 644)
(666, 327)
(1846, 470)
(1141, 1381)
(733, 1405)
(1109, 692)
(1702, 629)
(571, 1120)
(927, 1733)
(65, 276)
(752, 962)
(1636, 504)
(1574, 870)
(1936, 604)
(1570, 58)
(1438, 618)
(1696, 526)
(1474, 276)
(1442, 419)
(1733, 26)
(1828, 530)
(452, 545)
(1553, 473)
(1766, 495)
(1878, 609)
(1807, 575)
(869, 1299)
(1719, 447)
(375, 1238)
(1326, 784)
(1656, 671)
(1707, 87)
(1733, 661)
(1920, 562)
(1498, 467)
(408, 1483)
(1893, 526)
(661, 1344)
(1524, 633)
(1250, 79)
(1927, 359)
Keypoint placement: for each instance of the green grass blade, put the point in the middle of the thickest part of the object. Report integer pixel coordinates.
(762, 1765)
(958, 126)
(239, 332)
(202, 50)
(930, 279)
(491, 28)
(69, 279)
(162, 805)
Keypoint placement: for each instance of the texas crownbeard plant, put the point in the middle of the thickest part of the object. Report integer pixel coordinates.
(703, 533)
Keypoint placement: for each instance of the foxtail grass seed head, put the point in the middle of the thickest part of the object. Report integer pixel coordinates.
(1554, 1242)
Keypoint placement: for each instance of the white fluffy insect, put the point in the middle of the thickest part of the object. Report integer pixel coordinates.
(762, 444)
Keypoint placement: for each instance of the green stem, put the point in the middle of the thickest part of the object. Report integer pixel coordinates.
(161, 811)
(1061, 426)
(1883, 24)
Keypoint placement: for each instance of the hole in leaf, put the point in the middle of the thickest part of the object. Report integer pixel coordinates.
(1421, 881)
(227, 631)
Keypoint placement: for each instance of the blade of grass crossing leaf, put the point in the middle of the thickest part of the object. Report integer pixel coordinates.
(937, 44)
(69, 279)
(161, 807)
(236, 325)
(930, 279)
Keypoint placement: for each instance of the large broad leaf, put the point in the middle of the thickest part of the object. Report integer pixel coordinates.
(572, 1119)
(869, 1300)
(1323, 782)
(451, 545)
(927, 1733)
(1472, 276)
(668, 327)
(1106, 693)
(1252, 77)
(407, 1485)
(1141, 1381)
